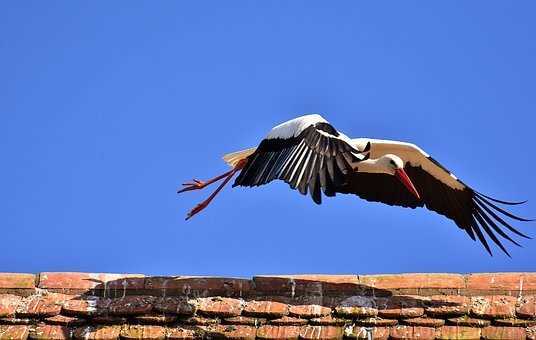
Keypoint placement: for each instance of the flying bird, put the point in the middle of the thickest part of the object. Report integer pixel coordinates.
(313, 157)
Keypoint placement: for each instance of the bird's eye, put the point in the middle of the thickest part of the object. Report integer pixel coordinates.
(392, 162)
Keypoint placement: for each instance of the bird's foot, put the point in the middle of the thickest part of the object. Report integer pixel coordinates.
(194, 185)
(196, 209)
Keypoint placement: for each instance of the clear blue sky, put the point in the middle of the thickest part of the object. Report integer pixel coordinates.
(106, 107)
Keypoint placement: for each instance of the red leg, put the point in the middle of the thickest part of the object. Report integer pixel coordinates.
(197, 184)
(206, 202)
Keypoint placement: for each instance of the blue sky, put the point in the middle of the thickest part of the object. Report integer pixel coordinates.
(106, 107)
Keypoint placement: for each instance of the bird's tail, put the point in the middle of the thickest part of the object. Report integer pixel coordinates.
(234, 157)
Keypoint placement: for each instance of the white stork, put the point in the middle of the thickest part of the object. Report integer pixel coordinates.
(309, 154)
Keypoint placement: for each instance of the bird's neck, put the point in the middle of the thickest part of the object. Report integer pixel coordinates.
(372, 166)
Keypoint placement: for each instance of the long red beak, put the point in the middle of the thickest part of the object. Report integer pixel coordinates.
(403, 177)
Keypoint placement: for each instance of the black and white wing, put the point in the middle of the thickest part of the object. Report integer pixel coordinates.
(439, 189)
(307, 153)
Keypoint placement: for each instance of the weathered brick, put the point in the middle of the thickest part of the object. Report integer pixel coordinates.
(458, 332)
(424, 322)
(13, 332)
(97, 333)
(357, 307)
(360, 332)
(527, 307)
(244, 320)
(265, 309)
(503, 333)
(321, 332)
(197, 286)
(493, 307)
(413, 281)
(16, 321)
(514, 322)
(9, 304)
(89, 306)
(176, 305)
(309, 311)
(198, 321)
(231, 332)
(41, 306)
(531, 333)
(288, 321)
(307, 285)
(329, 321)
(468, 322)
(16, 281)
(401, 307)
(135, 332)
(184, 333)
(448, 305)
(155, 319)
(63, 320)
(413, 333)
(502, 283)
(377, 322)
(218, 306)
(270, 332)
(50, 332)
(111, 285)
(109, 320)
(131, 305)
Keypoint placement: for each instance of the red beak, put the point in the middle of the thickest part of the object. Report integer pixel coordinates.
(403, 177)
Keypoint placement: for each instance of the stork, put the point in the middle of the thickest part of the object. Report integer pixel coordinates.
(312, 156)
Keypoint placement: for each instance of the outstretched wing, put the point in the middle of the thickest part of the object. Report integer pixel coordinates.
(440, 191)
(307, 153)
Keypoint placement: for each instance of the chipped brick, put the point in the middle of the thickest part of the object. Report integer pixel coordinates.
(13, 332)
(514, 322)
(157, 319)
(269, 309)
(8, 304)
(135, 332)
(329, 321)
(244, 320)
(63, 320)
(309, 311)
(458, 332)
(49, 332)
(468, 322)
(493, 307)
(288, 321)
(527, 307)
(503, 333)
(231, 332)
(448, 305)
(176, 305)
(413, 332)
(270, 332)
(109, 320)
(198, 320)
(131, 305)
(86, 306)
(218, 306)
(401, 307)
(97, 333)
(321, 332)
(41, 306)
(359, 332)
(184, 333)
(357, 307)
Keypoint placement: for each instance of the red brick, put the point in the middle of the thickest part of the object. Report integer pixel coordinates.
(527, 307)
(401, 307)
(176, 305)
(63, 320)
(503, 333)
(448, 305)
(377, 322)
(265, 309)
(48, 332)
(288, 321)
(131, 305)
(198, 286)
(306, 285)
(199, 321)
(357, 307)
(531, 333)
(321, 332)
(413, 333)
(136, 332)
(109, 320)
(40, 306)
(8, 304)
(112, 285)
(183, 333)
(155, 319)
(493, 307)
(458, 332)
(413, 281)
(515, 283)
(329, 321)
(97, 333)
(13, 332)
(514, 322)
(231, 332)
(17, 281)
(278, 332)
(244, 320)
(309, 311)
(469, 322)
(86, 306)
(218, 306)
(378, 333)
(424, 322)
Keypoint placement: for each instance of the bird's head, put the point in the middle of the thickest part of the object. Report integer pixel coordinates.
(394, 165)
